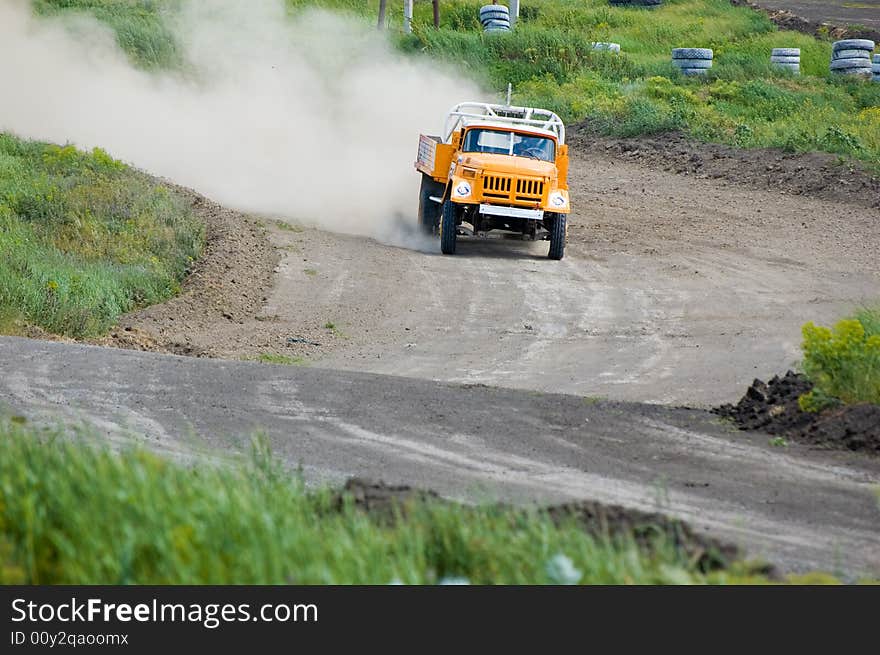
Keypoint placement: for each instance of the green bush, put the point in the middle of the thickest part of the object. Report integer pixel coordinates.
(84, 238)
(843, 363)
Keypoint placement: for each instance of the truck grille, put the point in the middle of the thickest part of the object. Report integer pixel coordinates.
(496, 186)
(529, 189)
(508, 189)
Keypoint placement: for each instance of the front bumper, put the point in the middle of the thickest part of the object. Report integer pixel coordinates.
(511, 212)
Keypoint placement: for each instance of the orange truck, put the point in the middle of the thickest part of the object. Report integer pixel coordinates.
(496, 167)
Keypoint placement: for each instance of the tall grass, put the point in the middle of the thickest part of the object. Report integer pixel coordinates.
(74, 513)
(84, 238)
(742, 101)
(139, 26)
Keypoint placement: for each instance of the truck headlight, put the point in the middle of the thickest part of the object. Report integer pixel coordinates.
(558, 200)
(462, 190)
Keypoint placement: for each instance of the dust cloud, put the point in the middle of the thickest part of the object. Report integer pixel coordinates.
(313, 119)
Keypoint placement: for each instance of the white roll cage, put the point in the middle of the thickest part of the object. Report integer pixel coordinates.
(466, 113)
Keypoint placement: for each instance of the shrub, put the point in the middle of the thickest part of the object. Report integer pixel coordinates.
(843, 364)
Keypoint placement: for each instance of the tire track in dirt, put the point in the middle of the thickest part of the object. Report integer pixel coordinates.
(677, 288)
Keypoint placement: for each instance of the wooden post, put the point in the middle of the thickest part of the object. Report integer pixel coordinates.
(407, 16)
(436, 4)
(380, 24)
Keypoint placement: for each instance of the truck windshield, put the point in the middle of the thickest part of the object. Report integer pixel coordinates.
(500, 142)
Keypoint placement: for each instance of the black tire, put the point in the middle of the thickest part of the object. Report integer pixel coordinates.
(429, 211)
(693, 63)
(779, 59)
(492, 9)
(557, 237)
(447, 228)
(852, 44)
(692, 53)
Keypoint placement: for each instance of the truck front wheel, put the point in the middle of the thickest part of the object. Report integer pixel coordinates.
(429, 210)
(447, 228)
(557, 237)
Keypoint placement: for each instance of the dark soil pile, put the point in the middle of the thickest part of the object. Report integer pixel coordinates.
(856, 427)
(813, 174)
(650, 530)
(772, 407)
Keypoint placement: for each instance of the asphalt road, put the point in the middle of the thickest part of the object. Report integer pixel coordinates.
(799, 508)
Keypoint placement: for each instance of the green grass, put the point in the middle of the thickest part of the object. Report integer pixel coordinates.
(843, 362)
(270, 358)
(289, 227)
(742, 101)
(84, 238)
(870, 320)
(549, 60)
(75, 513)
(140, 26)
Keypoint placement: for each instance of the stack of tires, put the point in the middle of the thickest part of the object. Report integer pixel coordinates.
(635, 3)
(875, 69)
(786, 58)
(495, 18)
(851, 57)
(609, 47)
(692, 61)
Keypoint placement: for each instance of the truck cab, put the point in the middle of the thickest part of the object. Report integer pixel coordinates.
(496, 167)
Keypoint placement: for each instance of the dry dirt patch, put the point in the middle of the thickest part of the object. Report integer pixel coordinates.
(817, 175)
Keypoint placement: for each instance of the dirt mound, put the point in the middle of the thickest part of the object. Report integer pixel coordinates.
(649, 530)
(772, 407)
(228, 284)
(380, 498)
(786, 20)
(814, 174)
(856, 427)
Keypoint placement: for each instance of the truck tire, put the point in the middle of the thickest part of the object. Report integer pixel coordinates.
(557, 237)
(429, 211)
(692, 53)
(447, 228)
(852, 44)
(693, 63)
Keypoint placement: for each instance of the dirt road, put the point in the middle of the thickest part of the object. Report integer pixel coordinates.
(836, 12)
(674, 289)
(799, 508)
